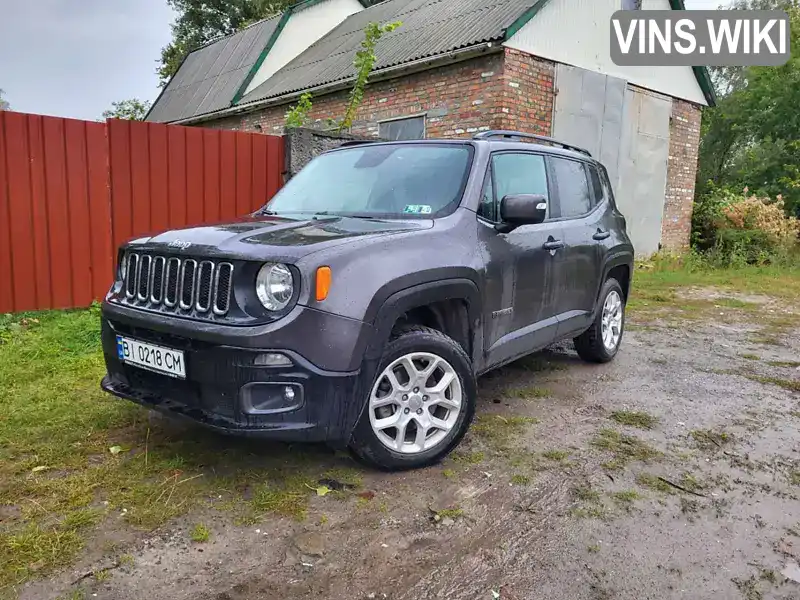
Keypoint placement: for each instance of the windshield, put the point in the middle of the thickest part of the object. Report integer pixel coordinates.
(388, 181)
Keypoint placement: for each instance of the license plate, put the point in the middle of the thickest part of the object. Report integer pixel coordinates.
(151, 357)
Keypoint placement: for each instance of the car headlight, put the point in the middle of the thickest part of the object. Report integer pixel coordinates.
(274, 286)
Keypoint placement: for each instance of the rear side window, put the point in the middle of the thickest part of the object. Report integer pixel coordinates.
(573, 187)
(596, 186)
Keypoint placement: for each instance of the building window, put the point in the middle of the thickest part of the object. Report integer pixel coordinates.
(631, 4)
(412, 128)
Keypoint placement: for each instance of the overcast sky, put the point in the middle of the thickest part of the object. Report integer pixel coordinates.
(73, 58)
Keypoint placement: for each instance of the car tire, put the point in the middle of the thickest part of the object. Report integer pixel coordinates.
(404, 447)
(593, 344)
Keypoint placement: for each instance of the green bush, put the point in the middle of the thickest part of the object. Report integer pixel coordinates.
(736, 228)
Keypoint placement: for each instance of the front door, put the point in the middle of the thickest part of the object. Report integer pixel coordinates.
(522, 267)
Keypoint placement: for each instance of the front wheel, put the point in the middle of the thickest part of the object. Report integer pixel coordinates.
(420, 404)
(601, 341)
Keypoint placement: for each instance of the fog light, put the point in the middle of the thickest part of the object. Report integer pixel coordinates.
(265, 398)
(272, 359)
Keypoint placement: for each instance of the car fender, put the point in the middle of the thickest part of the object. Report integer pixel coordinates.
(615, 259)
(422, 294)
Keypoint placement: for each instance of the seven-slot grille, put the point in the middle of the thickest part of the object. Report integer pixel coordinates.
(178, 284)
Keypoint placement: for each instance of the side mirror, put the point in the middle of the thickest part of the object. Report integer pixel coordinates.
(522, 209)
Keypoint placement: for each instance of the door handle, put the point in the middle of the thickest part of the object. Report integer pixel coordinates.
(553, 245)
(601, 235)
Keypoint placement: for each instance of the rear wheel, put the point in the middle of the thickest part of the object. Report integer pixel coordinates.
(600, 343)
(420, 404)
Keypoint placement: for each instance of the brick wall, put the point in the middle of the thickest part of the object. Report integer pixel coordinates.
(684, 141)
(498, 91)
(527, 103)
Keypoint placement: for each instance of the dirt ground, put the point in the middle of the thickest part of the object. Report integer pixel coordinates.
(565, 489)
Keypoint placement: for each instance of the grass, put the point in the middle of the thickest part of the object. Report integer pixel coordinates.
(200, 533)
(56, 428)
(555, 455)
(793, 385)
(625, 497)
(585, 493)
(519, 479)
(751, 356)
(469, 458)
(35, 550)
(500, 430)
(528, 392)
(624, 448)
(709, 439)
(654, 483)
(448, 513)
(642, 420)
(784, 364)
(655, 293)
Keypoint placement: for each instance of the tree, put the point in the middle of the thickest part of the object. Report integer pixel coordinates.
(130, 110)
(4, 105)
(752, 138)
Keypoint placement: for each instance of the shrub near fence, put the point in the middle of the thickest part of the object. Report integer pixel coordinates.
(71, 191)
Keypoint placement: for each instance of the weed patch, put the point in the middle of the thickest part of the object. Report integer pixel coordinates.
(784, 364)
(624, 448)
(519, 479)
(709, 439)
(555, 455)
(529, 392)
(200, 533)
(500, 430)
(792, 385)
(642, 420)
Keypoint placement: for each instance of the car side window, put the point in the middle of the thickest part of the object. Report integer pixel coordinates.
(596, 186)
(488, 206)
(519, 174)
(573, 187)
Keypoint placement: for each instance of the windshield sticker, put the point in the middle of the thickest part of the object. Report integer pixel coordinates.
(418, 209)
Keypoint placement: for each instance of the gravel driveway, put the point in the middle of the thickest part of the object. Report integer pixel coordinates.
(672, 473)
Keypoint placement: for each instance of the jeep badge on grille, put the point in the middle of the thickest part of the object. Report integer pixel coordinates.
(179, 244)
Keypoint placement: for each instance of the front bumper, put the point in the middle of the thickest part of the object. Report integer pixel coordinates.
(226, 391)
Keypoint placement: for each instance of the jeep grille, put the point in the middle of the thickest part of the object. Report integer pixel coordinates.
(178, 285)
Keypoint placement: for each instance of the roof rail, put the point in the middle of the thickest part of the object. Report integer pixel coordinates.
(485, 135)
(358, 143)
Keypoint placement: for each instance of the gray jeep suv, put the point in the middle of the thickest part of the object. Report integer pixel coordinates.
(358, 306)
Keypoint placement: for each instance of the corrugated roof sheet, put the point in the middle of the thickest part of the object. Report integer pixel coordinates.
(210, 76)
(430, 28)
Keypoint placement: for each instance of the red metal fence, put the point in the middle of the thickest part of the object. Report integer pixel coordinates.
(72, 191)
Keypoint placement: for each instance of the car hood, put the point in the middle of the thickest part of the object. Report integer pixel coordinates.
(272, 237)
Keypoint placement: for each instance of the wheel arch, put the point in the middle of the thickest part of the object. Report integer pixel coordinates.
(441, 300)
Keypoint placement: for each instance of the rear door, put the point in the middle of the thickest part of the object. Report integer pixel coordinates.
(521, 275)
(579, 197)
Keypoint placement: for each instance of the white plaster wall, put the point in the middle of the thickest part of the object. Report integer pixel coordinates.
(577, 32)
(304, 28)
